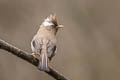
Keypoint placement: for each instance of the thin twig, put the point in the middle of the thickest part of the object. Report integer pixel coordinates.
(27, 57)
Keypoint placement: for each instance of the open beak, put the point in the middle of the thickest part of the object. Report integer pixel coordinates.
(60, 26)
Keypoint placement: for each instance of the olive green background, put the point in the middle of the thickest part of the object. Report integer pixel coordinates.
(88, 45)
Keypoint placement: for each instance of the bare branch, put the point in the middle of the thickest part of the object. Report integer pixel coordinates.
(27, 57)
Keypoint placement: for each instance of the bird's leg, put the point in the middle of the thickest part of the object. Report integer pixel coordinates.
(49, 63)
(34, 55)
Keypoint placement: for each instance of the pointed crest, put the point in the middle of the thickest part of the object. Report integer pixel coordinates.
(50, 20)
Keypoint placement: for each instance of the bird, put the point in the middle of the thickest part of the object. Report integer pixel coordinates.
(44, 42)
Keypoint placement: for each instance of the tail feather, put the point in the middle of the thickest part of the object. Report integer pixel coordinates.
(43, 62)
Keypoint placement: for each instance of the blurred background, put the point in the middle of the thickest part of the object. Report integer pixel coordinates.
(88, 45)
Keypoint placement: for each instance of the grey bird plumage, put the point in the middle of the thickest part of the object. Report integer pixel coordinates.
(44, 42)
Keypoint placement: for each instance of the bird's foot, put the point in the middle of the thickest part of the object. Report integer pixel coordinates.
(34, 55)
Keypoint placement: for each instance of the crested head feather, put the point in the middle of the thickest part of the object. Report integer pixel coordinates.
(50, 21)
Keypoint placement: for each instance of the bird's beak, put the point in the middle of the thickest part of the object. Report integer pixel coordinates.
(60, 26)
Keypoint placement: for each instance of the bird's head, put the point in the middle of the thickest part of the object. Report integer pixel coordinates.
(51, 21)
